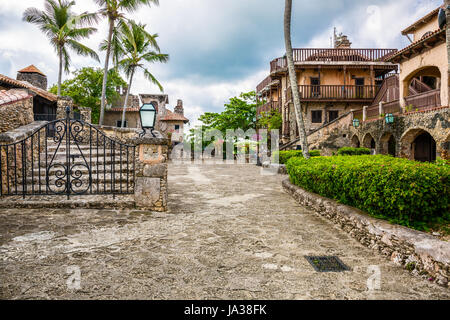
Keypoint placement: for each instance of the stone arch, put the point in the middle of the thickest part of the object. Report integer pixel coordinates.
(418, 144)
(369, 142)
(388, 144)
(355, 143)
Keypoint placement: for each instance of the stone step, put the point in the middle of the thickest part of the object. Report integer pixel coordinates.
(87, 154)
(94, 163)
(96, 189)
(94, 170)
(61, 201)
(101, 179)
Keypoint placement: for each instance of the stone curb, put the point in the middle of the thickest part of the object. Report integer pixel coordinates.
(418, 252)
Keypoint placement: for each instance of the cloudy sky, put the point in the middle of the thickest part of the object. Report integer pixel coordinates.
(217, 48)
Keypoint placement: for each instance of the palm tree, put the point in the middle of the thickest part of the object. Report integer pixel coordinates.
(135, 47)
(64, 29)
(293, 78)
(113, 10)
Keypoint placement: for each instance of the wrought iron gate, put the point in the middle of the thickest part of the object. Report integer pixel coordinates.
(76, 159)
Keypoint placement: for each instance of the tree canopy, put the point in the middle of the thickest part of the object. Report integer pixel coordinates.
(85, 88)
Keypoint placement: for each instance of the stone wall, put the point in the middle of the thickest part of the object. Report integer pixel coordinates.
(16, 114)
(405, 129)
(421, 253)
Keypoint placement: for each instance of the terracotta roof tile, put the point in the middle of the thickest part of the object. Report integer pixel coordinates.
(13, 95)
(31, 69)
(172, 116)
(424, 19)
(25, 85)
(120, 109)
(414, 44)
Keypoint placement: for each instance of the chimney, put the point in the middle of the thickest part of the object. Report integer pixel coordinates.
(179, 108)
(342, 42)
(33, 75)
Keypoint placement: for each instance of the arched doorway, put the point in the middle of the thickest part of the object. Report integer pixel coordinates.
(355, 142)
(418, 144)
(388, 144)
(369, 142)
(424, 148)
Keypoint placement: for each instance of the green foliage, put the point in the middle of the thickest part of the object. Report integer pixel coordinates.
(401, 191)
(85, 88)
(348, 151)
(270, 120)
(284, 156)
(239, 113)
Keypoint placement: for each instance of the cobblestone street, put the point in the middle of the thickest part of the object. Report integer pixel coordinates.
(230, 233)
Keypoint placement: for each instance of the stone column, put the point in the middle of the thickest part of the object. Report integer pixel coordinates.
(364, 113)
(61, 105)
(151, 172)
(380, 108)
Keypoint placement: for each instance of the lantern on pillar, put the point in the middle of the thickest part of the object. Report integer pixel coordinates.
(147, 113)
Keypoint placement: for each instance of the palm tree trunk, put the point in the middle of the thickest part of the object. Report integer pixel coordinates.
(105, 71)
(60, 70)
(130, 82)
(293, 78)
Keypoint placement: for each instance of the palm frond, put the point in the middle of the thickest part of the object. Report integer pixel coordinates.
(150, 77)
(153, 57)
(82, 50)
(132, 5)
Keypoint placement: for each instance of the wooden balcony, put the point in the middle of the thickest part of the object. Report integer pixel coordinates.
(334, 55)
(260, 87)
(414, 103)
(269, 106)
(335, 93)
(429, 99)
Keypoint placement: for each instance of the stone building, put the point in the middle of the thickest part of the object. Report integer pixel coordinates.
(167, 122)
(16, 108)
(417, 98)
(331, 82)
(35, 82)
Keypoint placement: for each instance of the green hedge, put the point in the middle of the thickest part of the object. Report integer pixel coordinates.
(348, 151)
(405, 192)
(284, 156)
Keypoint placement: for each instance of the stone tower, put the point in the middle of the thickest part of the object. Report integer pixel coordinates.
(34, 76)
(179, 108)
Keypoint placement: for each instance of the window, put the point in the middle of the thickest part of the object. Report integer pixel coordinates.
(316, 116)
(119, 124)
(177, 127)
(333, 115)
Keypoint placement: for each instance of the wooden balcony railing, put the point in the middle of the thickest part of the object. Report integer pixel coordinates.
(269, 106)
(335, 92)
(260, 87)
(334, 55)
(424, 100)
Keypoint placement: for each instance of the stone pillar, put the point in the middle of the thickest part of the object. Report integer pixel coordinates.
(380, 108)
(364, 113)
(151, 172)
(61, 105)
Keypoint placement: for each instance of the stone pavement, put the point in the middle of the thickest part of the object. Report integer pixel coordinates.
(230, 234)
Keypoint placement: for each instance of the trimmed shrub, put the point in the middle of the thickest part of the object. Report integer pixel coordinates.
(348, 151)
(405, 192)
(284, 156)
